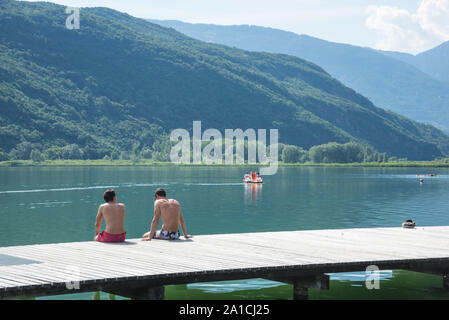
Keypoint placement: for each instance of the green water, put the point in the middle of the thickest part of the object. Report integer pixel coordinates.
(47, 205)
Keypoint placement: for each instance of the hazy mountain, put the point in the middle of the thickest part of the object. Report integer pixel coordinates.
(387, 81)
(119, 81)
(434, 62)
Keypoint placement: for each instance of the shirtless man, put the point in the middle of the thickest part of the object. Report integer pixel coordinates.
(170, 212)
(114, 215)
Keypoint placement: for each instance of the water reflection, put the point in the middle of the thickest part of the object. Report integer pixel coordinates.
(252, 191)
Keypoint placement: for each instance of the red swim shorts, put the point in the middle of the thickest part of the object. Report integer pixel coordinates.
(103, 236)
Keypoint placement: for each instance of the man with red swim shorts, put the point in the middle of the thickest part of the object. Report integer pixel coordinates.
(114, 215)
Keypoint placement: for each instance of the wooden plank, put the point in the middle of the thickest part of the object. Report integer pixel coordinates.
(401, 242)
(8, 282)
(119, 258)
(372, 242)
(90, 261)
(180, 257)
(320, 247)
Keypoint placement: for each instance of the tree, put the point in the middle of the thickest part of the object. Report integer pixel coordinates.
(124, 156)
(4, 156)
(115, 155)
(53, 153)
(146, 153)
(135, 158)
(161, 150)
(291, 154)
(22, 151)
(37, 156)
(344, 153)
(73, 152)
(135, 150)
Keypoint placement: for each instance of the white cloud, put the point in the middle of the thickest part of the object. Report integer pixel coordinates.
(402, 30)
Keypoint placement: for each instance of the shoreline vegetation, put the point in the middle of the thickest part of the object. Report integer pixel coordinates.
(332, 154)
(444, 163)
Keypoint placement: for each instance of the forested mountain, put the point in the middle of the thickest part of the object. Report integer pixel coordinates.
(388, 80)
(120, 83)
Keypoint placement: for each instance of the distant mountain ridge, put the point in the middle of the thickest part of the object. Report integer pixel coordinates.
(434, 62)
(119, 83)
(387, 79)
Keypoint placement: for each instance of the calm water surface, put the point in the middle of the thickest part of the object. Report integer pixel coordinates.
(47, 205)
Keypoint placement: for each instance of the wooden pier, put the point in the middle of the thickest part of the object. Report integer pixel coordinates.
(139, 270)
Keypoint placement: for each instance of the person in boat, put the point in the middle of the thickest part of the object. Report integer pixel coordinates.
(253, 176)
(170, 212)
(114, 215)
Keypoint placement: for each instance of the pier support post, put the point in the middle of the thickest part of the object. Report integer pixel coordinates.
(301, 285)
(151, 293)
(446, 281)
(300, 292)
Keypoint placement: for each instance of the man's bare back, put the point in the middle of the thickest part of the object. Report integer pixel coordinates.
(114, 216)
(169, 210)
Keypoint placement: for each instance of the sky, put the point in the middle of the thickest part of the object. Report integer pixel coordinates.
(411, 26)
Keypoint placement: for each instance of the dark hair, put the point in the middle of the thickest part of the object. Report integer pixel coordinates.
(109, 195)
(160, 192)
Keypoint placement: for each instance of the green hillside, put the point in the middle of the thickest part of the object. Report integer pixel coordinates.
(411, 88)
(120, 83)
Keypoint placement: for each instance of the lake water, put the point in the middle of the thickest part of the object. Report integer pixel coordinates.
(48, 205)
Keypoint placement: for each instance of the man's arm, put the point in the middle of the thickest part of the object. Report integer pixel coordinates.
(183, 226)
(124, 210)
(155, 222)
(98, 222)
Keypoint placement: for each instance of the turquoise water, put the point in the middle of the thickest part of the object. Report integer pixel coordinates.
(46, 205)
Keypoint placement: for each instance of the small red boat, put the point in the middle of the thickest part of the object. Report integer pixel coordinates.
(254, 177)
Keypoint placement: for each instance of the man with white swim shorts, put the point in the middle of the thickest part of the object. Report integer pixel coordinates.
(170, 212)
